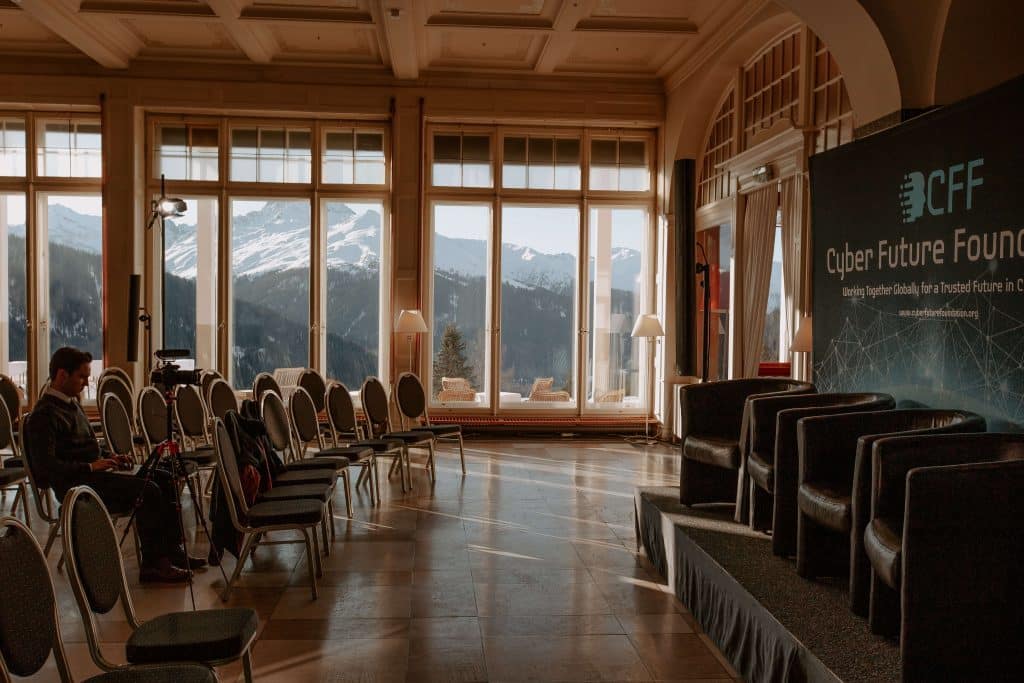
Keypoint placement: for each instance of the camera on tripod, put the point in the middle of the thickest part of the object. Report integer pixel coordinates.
(169, 374)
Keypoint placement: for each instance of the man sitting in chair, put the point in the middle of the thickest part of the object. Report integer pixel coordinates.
(65, 453)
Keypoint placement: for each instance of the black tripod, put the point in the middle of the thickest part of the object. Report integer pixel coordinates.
(168, 449)
(704, 270)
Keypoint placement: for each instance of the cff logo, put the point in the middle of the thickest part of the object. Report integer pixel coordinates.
(918, 193)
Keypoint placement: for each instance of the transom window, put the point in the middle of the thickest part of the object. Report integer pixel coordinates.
(353, 157)
(69, 148)
(271, 155)
(541, 163)
(12, 147)
(187, 152)
(619, 164)
(462, 160)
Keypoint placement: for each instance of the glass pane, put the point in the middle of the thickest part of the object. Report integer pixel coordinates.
(13, 311)
(539, 253)
(603, 153)
(244, 152)
(567, 164)
(604, 165)
(85, 156)
(12, 147)
(190, 283)
(447, 174)
(770, 348)
(271, 156)
(542, 169)
(447, 148)
(370, 158)
(476, 161)
(171, 157)
(461, 237)
(270, 252)
(74, 229)
(715, 245)
(618, 266)
(54, 153)
(338, 157)
(298, 166)
(354, 248)
(631, 153)
(514, 164)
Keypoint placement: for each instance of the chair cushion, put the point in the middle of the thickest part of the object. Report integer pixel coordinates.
(381, 445)
(280, 512)
(762, 473)
(157, 673)
(826, 506)
(203, 636)
(409, 437)
(883, 540)
(14, 462)
(320, 475)
(352, 453)
(296, 492)
(11, 475)
(440, 430)
(309, 464)
(713, 451)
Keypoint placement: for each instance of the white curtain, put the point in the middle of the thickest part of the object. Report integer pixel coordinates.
(758, 243)
(790, 196)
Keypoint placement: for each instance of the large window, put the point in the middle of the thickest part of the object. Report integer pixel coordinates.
(618, 262)
(270, 257)
(12, 147)
(461, 282)
(536, 284)
(771, 347)
(69, 148)
(73, 225)
(355, 247)
(190, 282)
(301, 207)
(13, 309)
(715, 245)
(539, 262)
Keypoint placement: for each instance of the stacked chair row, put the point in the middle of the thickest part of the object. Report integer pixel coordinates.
(919, 509)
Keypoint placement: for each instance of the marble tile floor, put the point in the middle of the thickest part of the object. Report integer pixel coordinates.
(523, 570)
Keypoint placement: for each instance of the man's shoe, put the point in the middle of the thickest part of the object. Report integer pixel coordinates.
(163, 572)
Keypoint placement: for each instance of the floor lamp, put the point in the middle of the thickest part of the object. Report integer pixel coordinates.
(648, 327)
(803, 341)
(410, 323)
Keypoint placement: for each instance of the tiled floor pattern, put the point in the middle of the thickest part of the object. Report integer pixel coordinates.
(523, 570)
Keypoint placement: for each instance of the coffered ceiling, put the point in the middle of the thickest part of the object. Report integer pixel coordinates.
(649, 39)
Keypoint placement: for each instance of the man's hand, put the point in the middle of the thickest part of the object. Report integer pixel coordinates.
(103, 465)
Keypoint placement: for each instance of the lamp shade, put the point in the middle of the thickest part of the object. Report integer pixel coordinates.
(803, 342)
(410, 322)
(647, 325)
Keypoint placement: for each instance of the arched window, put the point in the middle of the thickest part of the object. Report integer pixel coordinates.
(713, 183)
(832, 116)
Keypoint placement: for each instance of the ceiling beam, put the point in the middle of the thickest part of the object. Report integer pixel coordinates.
(112, 47)
(398, 26)
(635, 26)
(255, 41)
(150, 7)
(561, 41)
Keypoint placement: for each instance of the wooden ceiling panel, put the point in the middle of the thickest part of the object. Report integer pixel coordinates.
(180, 34)
(484, 49)
(345, 43)
(18, 27)
(615, 53)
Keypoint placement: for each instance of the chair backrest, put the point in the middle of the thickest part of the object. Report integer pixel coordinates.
(153, 416)
(117, 426)
(41, 494)
(120, 373)
(303, 411)
(191, 414)
(275, 418)
(375, 405)
(341, 412)
(11, 397)
(313, 382)
(221, 398)
(227, 469)
(113, 384)
(411, 399)
(93, 557)
(263, 383)
(206, 378)
(29, 629)
(7, 430)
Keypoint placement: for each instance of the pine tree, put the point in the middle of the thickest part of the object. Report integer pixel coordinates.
(450, 360)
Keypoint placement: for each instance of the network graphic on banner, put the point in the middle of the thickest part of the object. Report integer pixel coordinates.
(919, 261)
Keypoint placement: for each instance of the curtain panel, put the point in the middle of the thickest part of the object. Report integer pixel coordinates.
(758, 244)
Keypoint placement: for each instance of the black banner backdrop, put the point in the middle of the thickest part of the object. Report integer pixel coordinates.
(919, 260)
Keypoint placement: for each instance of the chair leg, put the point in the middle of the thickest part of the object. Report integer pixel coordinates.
(310, 560)
(348, 493)
(391, 470)
(247, 666)
(430, 463)
(361, 479)
(50, 538)
(246, 548)
(316, 553)
(374, 479)
(462, 455)
(331, 512)
(23, 496)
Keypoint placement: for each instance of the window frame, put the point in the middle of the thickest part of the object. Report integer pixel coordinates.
(497, 195)
(315, 192)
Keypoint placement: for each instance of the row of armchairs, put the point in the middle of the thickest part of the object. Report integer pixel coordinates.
(918, 507)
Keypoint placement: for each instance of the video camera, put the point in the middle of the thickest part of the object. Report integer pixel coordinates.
(168, 374)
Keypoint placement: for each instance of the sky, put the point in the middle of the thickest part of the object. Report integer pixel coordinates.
(85, 204)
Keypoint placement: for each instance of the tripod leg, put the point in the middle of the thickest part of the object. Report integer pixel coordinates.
(348, 493)
(311, 561)
(462, 455)
(246, 547)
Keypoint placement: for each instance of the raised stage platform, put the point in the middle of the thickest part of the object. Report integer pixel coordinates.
(770, 623)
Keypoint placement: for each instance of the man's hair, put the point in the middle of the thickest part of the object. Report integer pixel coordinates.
(69, 359)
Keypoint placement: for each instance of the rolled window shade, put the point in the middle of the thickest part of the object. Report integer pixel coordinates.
(567, 151)
(515, 150)
(447, 148)
(631, 153)
(542, 151)
(370, 142)
(339, 143)
(476, 148)
(603, 152)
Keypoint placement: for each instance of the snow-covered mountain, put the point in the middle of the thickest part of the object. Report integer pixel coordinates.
(276, 237)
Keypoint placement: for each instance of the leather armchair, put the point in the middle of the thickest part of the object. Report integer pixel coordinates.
(946, 546)
(712, 430)
(834, 486)
(772, 462)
